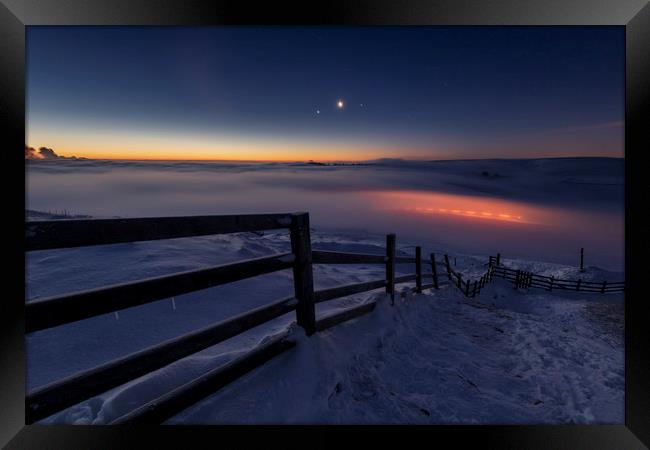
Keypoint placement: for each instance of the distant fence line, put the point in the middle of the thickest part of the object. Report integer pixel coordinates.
(525, 279)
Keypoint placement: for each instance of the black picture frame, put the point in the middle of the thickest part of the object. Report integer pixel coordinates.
(633, 14)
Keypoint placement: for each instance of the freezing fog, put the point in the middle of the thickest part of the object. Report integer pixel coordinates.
(546, 209)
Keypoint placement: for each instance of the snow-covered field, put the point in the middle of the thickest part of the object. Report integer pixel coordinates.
(504, 357)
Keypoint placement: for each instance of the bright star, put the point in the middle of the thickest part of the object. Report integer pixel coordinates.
(339, 104)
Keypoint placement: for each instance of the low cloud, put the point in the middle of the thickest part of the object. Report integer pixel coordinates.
(47, 153)
(41, 153)
(30, 153)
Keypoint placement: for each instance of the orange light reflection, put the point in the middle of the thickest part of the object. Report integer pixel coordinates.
(481, 208)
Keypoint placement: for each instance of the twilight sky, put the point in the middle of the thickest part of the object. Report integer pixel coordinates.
(271, 93)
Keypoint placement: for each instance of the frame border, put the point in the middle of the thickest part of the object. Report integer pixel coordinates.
(633, 14)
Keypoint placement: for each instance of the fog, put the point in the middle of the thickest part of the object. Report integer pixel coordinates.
(543, 209)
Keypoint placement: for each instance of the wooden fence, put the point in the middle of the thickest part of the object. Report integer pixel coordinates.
(63, 309)
(468, 287)
(523, 279)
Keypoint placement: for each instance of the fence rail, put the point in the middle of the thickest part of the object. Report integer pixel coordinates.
(51, 234)
(63, 309)
(52, 311)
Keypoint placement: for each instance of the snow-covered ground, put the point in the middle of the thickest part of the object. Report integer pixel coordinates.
(505, 356)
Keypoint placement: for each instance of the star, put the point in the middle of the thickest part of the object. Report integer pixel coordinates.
(339, 104)
(318, 111)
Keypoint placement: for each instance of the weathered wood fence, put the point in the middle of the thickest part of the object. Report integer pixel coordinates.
(523, 279)
(63, 309)
(470, 288)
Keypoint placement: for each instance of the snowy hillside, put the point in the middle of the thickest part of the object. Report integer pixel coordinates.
(503, 357)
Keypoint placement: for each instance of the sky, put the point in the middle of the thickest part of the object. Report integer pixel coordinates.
(325, 93)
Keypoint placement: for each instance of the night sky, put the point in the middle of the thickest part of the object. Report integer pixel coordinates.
(254, 93)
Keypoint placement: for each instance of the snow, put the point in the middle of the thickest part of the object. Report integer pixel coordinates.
(439, 358)
(506, 356)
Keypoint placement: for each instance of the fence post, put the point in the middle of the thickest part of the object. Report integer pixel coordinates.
(518, 279)
(602, 290)
(434, 271)
(550, 285)
(448, 266)
(498, 259)
(582, 259)
(418, 269)
(390, 267)
(303, 278)
(578, 284)
(458, 281)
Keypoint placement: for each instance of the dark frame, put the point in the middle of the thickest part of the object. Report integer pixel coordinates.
(633, 14)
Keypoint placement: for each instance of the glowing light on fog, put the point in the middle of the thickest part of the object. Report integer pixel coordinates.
(495, 210)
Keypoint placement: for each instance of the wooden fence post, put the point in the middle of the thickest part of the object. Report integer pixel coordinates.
(578, 284)
(498, 259)
(582, 259)
(518, 279)
(602, 290)
(303, 278)
(390, 267)
(550, 285)
(418, 269)
(434, 271)
(448, 266)
(458, 281)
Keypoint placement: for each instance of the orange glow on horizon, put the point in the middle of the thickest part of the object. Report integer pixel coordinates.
(236, 151)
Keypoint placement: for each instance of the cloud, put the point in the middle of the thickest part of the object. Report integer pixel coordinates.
(47, 153)
(30, 153)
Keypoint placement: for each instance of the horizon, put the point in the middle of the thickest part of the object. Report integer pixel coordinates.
(286, 94)
(325, 161)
